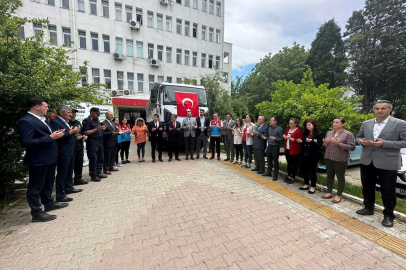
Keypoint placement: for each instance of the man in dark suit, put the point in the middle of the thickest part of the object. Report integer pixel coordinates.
(203, 125)
(79, 147)
(260, 138)
(110, 144)
(381, 138)
(38, 138)
(155, 136)
(66, 154)
(173, 137)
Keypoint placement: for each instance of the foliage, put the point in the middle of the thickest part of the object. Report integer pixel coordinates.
(305, 100)
(29, 68)
(327, 56)
(376, 49)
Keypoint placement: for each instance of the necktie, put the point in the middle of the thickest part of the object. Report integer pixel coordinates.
(174, 125)
(156, 125)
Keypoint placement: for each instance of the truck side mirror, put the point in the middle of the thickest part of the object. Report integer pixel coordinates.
(213, 99)
(153, 98)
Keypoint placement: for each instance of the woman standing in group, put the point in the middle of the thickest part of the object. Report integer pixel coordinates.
(338, 143)
(292, 149)
(119, 141)
(312, 143)
(237, 132)
(140, 131)
(248, 140)
(125, 143)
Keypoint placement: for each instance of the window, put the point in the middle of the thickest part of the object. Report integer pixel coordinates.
(179, 80)
(130, 47)
(107, 78)
(210, 61)
(106, 43)
(204, 32)
(217, 62)
(82, 39)
(218, 8)
(179, 1)
(119, 45)
(159, 21)
(151, 79)
(194, 61)
(211, 30)
(195, 4)
(187, 58)
(187, 3)
(160, 52)
(179, 26)
(195, 30)
(169, 79)
(211, 6)
(95, 75)
(83, 73)
(93, 7)
(130, 81)
(150, 50)
(150, 19)
(168, 24)
(187, 27)
(129, 13)
(225, 77)
(53, 37)
(226, 58)
(160, 79)
(118, 11)
(139, 15)
(168, 54)
(36, 1)
(66, 36)
(21, 32)
(105, 10)
(81, 5)
(120, 80)
(203, 64)
(218, 36)
(204, 5)
(65, 3)
(139, 49)
(179, 56)
(50, 2)
(95, 41)
(140, 79)
(37, 28)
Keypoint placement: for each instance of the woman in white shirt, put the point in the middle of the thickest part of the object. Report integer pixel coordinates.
(237, 132)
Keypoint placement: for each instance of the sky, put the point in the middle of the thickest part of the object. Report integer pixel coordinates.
(258, 27)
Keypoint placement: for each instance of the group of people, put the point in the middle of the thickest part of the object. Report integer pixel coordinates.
(59, 145)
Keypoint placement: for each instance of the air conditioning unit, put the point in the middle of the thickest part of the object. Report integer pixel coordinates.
(135, 25)
(154, 63)
(118, 56)
(114, 93)
(126, 92)
(164, 2)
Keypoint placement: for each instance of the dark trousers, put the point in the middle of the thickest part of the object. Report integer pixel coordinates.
(64, 170)
(238, 152)
(387, 181)
(110, 154)
(309, 170)
(141, 149)
(189, 145)
(292, 162)
(125, 149)
(119, 148)
(215, 141)
(229, 146)
(334, 168)
(78, 167)
(40, 185)
(202, 138)
(259, 155)
(173, 146)
(95, 154)
(272, 156)
(154, 147)
(247, 152)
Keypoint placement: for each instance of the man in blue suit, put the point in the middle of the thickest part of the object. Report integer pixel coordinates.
(38, 138)
(260, 138)
(66, 154)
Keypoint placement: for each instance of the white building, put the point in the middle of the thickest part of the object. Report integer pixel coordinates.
(169, 40)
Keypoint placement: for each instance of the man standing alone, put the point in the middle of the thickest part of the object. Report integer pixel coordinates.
(228, 127)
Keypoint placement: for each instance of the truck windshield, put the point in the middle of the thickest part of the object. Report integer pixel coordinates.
(170, 98)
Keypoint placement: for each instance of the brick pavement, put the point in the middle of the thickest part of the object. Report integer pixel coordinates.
(184, 215)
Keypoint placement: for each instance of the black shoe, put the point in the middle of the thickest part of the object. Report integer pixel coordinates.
(275, 179)
(43, 217)
(266, 174)
(286, 179)
(127, 161)
(231, 160)
(387, 222)
(254, 170)
(123, 162)
(205, 157)
(197, 157)
(260, 172)
(192, 158)
(187, 158)
(56, 206)
(302, 188)
(80, 182)
(161, 160)
(101, 176)
(74, 190)
(290, 181)
(153, 161)
(311, 192)
(66, 199)
(365, 212)
(95, 179)
(226, 159)
(170, 159)
(212, 157)
(178, 159)
(218, 157)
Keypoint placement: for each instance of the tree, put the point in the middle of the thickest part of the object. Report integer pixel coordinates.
(238, 102)
(29, 68)
(288, 64)
(327, 56)
(305, 100)
(376, 49)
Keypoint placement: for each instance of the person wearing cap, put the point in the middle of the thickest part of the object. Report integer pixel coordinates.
(79, 147)
(189, 126)
(110, 144)
(94, 144)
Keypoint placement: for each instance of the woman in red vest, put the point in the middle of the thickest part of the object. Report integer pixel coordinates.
(292, 149)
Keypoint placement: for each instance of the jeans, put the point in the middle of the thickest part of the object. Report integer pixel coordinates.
(247, 152)
(215, 141)
(238, 152)
(141, 149)
(125, 149)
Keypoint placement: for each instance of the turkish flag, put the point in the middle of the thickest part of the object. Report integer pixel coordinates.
(186, 101)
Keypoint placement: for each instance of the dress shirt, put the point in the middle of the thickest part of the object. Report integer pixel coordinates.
(202, 121)
(378, 127)
(42, 119)
(156, 124)
(63, 120)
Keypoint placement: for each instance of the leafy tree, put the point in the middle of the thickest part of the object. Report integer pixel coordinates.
(305, 100)
(327, 56)
(376, 49)
(239, 104)
(29, 68)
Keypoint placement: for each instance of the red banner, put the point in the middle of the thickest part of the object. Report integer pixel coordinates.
(186, 101)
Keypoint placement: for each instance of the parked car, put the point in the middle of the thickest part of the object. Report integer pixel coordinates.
(355, 158)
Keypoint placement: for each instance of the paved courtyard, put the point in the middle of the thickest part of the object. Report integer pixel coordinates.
(188, 215)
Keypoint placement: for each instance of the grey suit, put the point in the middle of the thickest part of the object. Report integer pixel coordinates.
(259, 147)
(229, 139)
(382, 162)
(189, 133)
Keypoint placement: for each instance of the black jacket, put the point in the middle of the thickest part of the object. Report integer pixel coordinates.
(174, 134)
(79, 143)
(157, 134)
(66, 144)
(109, 140)
(206, 124)
(312, 149)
